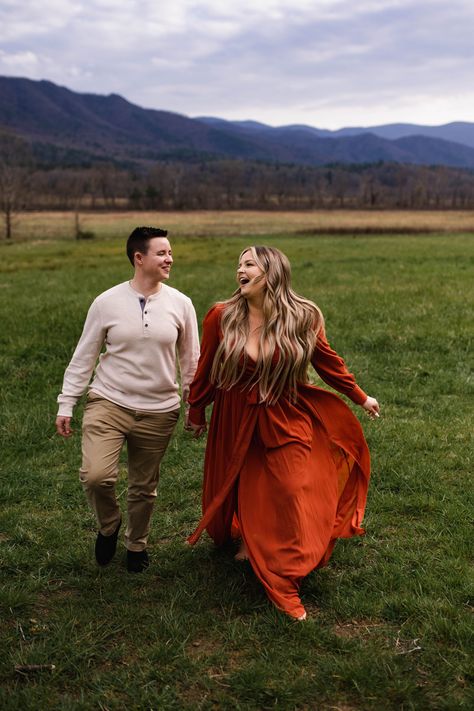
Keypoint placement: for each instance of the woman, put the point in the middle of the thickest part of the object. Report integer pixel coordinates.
(286, 466)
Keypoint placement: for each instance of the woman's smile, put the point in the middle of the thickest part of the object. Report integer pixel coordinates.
(250, 277)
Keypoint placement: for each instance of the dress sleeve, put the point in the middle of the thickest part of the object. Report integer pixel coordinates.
(332, 369)
(202, 391)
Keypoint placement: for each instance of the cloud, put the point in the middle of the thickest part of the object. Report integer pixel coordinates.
(324, 63)
(19, 61)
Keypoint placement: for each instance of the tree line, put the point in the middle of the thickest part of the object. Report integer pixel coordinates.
(223, 184)
(234, 184)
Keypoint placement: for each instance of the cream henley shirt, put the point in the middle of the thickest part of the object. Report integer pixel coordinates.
(142, 337)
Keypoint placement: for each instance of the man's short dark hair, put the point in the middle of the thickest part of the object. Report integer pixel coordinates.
(139, 239)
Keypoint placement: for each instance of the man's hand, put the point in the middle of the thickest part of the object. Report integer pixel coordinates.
(189, 426)
(63, 426)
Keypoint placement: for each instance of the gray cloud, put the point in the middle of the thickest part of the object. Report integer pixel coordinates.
(327, 63)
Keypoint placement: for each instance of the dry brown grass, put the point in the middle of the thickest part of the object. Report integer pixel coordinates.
(60, 225)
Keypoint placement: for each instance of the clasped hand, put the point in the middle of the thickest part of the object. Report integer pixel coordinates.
(197, 430)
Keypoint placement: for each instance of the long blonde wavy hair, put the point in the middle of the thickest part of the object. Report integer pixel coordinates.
(290, 327)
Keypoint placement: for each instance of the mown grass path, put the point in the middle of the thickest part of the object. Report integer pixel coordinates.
(390, 616)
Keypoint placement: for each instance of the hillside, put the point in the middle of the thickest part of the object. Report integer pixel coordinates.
(64, 126)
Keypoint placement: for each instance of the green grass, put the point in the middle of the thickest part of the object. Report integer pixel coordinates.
(390, 617)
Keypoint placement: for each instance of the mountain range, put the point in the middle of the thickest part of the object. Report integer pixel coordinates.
(457, 132)
(65, 126)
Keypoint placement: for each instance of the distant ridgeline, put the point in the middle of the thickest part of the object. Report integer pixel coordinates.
(103, 152)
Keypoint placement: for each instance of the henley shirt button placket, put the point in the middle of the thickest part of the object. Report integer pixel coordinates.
(144, 313)
(145, 322)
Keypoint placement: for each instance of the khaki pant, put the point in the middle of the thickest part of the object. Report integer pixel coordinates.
(105, 428)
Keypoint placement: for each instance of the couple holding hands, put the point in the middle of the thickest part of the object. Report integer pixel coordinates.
(286, 468)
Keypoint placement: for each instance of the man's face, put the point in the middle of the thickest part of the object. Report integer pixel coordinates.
(156, 263)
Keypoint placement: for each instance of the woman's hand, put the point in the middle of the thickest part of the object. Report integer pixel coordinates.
(189, 426)
(372, 408)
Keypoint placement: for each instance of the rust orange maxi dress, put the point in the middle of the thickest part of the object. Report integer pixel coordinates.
(294, 475)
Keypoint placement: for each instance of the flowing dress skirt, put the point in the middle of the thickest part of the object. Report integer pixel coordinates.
(293, 476)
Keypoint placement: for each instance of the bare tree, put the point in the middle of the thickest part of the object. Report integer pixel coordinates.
(15, 173)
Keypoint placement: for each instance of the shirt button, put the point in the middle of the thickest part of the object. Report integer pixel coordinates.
(146, 312)
(146, 325)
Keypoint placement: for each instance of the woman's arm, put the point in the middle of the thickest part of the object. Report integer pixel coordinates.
(332, 369)
(202, 391)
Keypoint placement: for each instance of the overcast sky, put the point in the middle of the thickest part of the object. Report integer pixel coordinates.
(326, 63)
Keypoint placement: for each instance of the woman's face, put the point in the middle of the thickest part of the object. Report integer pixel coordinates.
(250, 277)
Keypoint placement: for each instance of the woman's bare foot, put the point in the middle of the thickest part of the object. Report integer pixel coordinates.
(242, 554)
(302, 617)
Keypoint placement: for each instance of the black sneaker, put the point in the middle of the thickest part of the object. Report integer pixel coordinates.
(137, 561)
(105, 546)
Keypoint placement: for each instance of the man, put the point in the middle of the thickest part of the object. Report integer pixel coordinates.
(133, 396)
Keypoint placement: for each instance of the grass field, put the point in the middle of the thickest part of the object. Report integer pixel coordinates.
(60, 225)
(390, 617)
